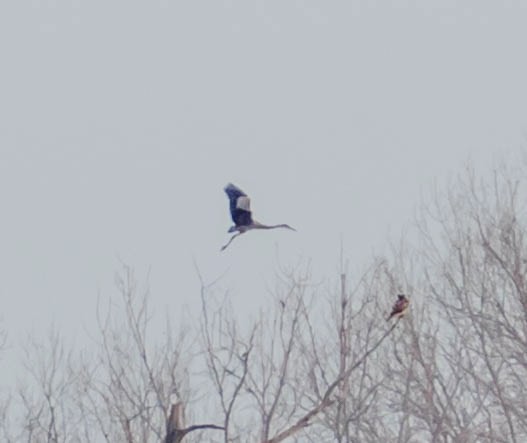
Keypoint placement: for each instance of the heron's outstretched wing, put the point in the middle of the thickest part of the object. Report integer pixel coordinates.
(240, 205)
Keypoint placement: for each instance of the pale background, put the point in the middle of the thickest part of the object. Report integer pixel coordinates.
(120, 123)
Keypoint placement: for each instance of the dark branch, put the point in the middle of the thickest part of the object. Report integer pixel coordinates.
(175, 430)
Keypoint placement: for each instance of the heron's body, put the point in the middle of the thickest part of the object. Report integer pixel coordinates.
(240, 207)
(400, 307)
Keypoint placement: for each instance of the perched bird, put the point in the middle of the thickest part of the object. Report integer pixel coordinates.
(400, 307)
(240, 206)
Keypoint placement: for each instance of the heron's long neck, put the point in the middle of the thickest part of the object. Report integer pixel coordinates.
(258, 225)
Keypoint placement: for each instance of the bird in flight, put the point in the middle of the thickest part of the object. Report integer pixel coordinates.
(240, 206)
(400, 307)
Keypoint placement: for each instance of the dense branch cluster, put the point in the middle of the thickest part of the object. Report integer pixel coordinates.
(318, 363)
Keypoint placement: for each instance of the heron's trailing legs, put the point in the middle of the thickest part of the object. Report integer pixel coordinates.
(231, 239)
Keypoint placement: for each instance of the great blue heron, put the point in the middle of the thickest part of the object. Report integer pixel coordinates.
(400, 307)
(240, 206)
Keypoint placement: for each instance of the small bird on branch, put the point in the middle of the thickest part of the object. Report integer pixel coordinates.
(240, 206)
(400, 307)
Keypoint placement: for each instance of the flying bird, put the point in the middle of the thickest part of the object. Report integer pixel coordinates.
(400, 307)
(240, 206)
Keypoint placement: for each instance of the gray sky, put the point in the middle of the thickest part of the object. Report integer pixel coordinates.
(120, 123)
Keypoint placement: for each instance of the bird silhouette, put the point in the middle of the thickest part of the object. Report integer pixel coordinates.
(240, 206)
(400, 307)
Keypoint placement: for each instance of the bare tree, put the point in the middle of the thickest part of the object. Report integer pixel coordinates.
(315, 363)
(44, 397)
(227, 357)
(295, 368)
(287, 375)
(5, 398)
(345, 377)
(132, 389)
(460, 364)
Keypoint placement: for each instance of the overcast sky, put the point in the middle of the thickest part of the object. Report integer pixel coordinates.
(122, 121)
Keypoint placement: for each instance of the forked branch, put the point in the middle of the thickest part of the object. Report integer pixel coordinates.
(326, 399)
